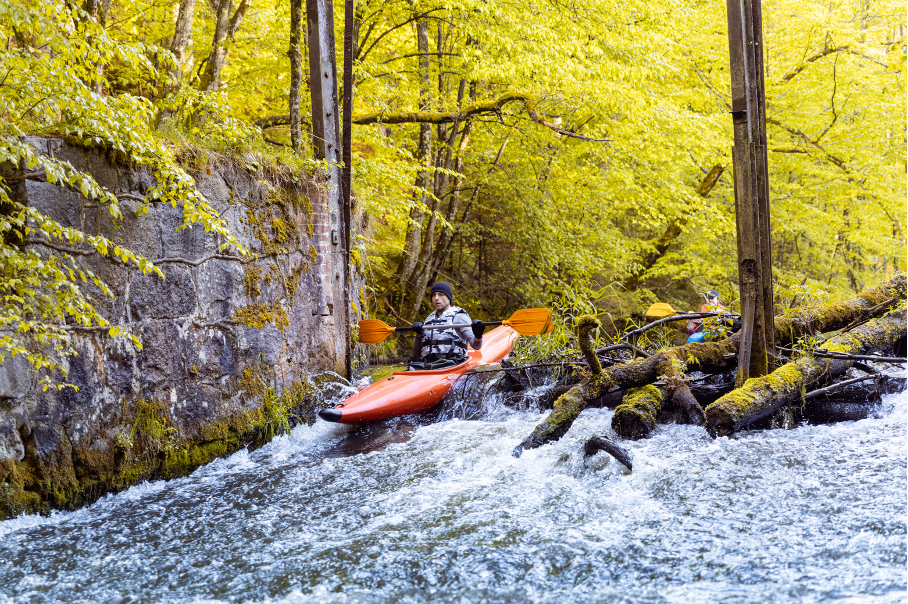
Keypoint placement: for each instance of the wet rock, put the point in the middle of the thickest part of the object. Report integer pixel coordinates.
(214, 356)
(262, 344)
(45, 439)
(61, 204)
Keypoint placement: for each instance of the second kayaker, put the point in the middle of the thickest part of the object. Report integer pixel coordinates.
(434, 345)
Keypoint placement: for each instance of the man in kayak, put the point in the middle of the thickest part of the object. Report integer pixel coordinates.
(433, 345)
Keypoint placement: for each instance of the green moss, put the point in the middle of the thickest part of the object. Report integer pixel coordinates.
(251, 276)
(362, 298)
(275, 220)
(148, 447)
(151, 425)
(313, 254)
(279, 229)
(635, 417)
(258, 314)
(356, 258)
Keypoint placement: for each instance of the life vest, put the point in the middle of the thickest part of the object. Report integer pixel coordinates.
(444, 343)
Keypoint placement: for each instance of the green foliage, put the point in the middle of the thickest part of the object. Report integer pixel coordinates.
(55, 62)
(525, 208)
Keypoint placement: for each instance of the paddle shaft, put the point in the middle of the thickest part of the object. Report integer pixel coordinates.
(489, 324)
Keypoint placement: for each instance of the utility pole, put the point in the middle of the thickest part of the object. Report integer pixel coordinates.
(326, 139)
(751, 177)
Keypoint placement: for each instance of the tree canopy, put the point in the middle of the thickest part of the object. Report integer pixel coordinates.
(520, 150)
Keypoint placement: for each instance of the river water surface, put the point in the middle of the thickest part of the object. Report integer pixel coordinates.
(444, 513)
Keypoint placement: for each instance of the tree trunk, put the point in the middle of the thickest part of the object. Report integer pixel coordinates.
(424, 265)
(296, 74)
(224, 31)
(182, 37)
(98, 10)
(762, 396)
(709, 357)
(412, 242)
(447, 236)
(600, 443)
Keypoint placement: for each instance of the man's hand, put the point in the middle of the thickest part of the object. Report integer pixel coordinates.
(478, 329)
(417, 327)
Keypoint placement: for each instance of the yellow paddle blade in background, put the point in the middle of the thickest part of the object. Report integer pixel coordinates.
(660, 309)
(531, 321)
(373, 331)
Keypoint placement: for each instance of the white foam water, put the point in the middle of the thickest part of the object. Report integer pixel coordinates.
(813, 514)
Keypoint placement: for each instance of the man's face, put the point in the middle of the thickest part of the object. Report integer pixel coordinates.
(440, 301)
(713, 301)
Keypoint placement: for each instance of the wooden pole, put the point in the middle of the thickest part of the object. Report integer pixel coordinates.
(326, 140)
(348, 158)
(749, 160)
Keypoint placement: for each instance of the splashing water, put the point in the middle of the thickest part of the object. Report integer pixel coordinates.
(405, 512)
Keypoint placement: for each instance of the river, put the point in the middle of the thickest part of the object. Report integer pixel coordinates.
(444, 513)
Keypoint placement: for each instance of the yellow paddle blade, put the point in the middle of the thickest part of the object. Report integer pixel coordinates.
(531, 321)
(660, 309)
(373, 331)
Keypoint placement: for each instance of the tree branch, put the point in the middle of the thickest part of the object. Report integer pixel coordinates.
(493, 106)
(238, 18)
(60, 248)
(823, 53)
(795, 132)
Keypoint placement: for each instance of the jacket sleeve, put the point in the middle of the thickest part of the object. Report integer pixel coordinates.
(466, 333)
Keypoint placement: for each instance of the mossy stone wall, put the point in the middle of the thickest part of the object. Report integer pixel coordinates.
(228, 342)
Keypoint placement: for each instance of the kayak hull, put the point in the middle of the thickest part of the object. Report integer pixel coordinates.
(408, 392)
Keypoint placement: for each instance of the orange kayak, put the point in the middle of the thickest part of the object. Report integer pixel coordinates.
(408, 392)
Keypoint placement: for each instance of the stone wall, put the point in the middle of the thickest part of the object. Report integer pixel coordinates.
(228, 343)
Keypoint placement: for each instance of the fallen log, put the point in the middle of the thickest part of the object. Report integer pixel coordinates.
(600, 443)
(761, 397)
(636, 416)
(709, 357)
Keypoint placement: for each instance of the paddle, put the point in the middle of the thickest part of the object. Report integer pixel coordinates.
(660, 309)
(526, 322)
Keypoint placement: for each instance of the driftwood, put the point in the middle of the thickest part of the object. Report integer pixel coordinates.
(760, 397)
(600, 443)
(708, 357)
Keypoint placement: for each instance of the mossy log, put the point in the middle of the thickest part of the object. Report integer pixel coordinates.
(708, 357)
(760, 397)
(635, 417)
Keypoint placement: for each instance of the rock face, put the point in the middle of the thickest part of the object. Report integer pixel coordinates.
(228, 342)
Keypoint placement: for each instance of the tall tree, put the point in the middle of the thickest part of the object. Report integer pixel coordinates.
(182, 37)
(296, 74)
(410, 256)
(224, 31)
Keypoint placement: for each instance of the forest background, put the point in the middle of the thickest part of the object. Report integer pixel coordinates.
(567, 154)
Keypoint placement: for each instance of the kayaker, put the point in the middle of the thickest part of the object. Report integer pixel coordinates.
(709, 328)
(433, 345)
